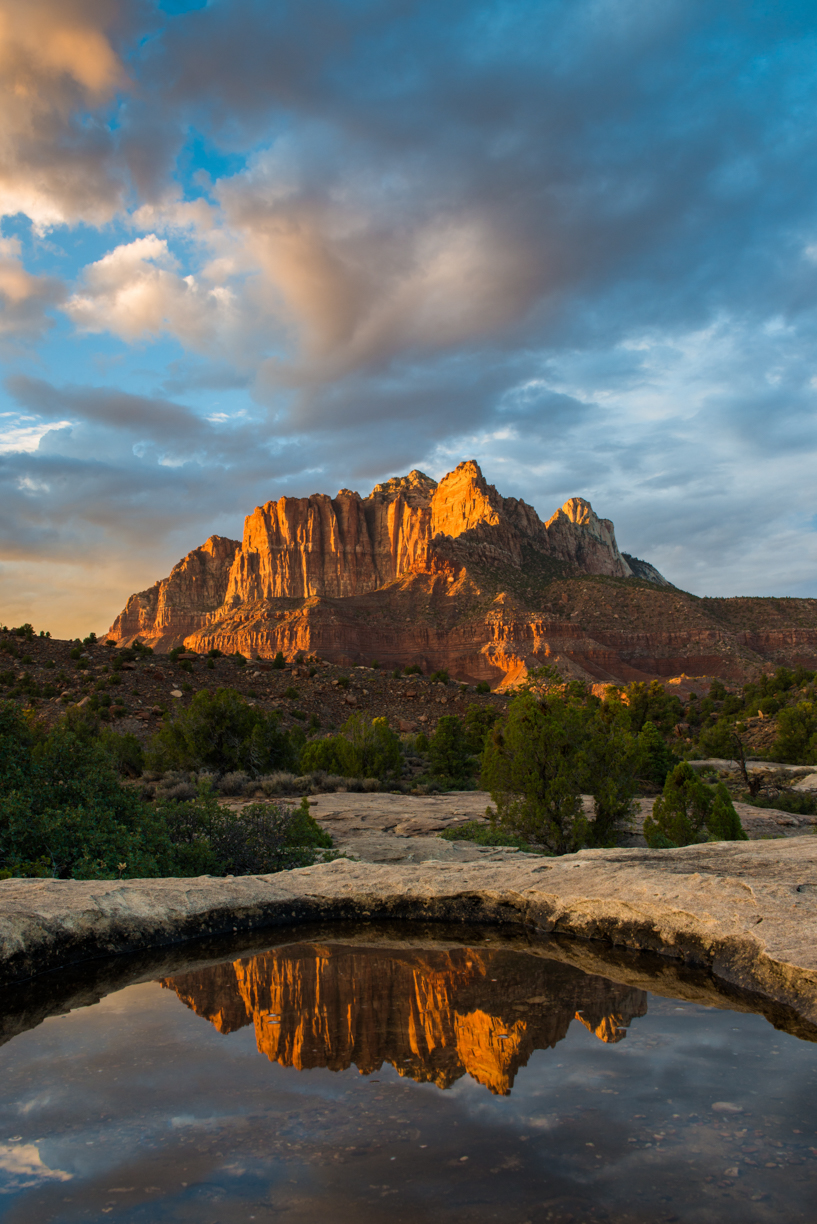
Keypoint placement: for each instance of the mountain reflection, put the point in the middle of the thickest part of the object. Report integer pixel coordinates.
(433, 1014)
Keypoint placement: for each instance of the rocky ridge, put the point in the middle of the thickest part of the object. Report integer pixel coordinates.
(456, 576)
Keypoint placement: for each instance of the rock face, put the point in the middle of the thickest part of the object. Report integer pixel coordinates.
(410, 536)
(435, 1015)
(182, 603)
(454, 575)
(743, 910)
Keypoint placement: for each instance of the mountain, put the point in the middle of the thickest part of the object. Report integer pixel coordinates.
(454, 575)
(435, 1015)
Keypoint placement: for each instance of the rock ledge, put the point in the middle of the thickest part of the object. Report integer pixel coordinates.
(744, 910)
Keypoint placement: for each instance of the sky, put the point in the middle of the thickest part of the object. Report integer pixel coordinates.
(251, 248)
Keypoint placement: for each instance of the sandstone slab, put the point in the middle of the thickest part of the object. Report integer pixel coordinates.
(744, 911)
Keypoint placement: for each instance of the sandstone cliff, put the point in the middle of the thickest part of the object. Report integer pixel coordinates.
(434, 1015)
(322, 548)
(454, 575)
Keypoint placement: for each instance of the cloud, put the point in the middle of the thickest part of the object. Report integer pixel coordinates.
(24, 299)
(135, 291)
(24, 1167)
(58, 67)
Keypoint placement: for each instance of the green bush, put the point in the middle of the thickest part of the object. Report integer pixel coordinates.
(477, 723)
(413, 669)
(124, 750)
(221, 731)
(484, 835)
(61, 802)
(448, 752)
(799, 803)
(208, 838)
(546, 752)
(689, 811)
(530, 766)
(719, 740)
(796, 740)
(657, 760)
(439, 677)
(291, 693)
(652, 703)
(610, 760)
(483, 687)
(279, 662)
(363, 749)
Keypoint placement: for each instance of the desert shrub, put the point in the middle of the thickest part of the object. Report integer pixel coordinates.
(221, 731)
(652, 703)
(718, 740)
(233, 783)
(261, 838)
(484, 835)
(550, 748)
(657, 760)
(363, 749)
(477, 723)
(679, 814)
(439, 677)
(530, 766)
(483, 687)
(291, 693)
(799, 803)
(448, 751)
(124, 750)
(796, 740)
(413, 669)
(723, 822)
(62, 804)
(690, 811)
(279, 662)
(343, 682)
(609, 759)
(282, 782)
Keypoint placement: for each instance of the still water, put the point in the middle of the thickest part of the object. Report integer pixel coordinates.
(362, 1080)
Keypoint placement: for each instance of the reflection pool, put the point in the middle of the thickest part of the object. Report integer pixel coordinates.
(351, 1075)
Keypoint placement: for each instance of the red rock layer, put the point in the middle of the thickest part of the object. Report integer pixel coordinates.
(434, 1015)
(453, 575)
(337, 548)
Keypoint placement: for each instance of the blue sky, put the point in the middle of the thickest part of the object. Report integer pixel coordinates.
(260, 248)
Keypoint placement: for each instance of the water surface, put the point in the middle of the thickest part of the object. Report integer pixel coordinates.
(354, 1080)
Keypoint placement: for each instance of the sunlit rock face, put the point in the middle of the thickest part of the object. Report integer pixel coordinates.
(435, 1015)
(347, 561)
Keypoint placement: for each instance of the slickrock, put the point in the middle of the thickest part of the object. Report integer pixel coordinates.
(456, 576)
(744, 910)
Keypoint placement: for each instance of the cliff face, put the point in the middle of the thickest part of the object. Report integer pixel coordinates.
(434, 1015)
(347, 547)
(454, 575)
(181, 603)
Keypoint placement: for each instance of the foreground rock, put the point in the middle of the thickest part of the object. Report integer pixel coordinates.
(743, 910)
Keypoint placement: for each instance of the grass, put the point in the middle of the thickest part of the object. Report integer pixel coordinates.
(488, 835)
